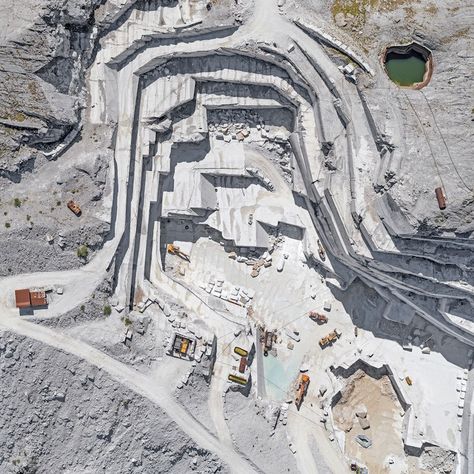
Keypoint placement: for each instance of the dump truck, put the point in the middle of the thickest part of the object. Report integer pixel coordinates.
(303, 382)
(321, 251)
(318, 317)
(74, 207)
(174, 250)
(243, 365)
(329, 338)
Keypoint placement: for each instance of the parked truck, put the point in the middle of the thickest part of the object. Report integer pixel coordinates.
(303, 382)
(74, 207)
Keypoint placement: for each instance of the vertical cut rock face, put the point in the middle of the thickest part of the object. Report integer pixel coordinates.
(45, 46)
(59, 414)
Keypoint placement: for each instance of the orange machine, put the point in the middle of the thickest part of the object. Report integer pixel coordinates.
(74, 207)
(303, 382)
(318, 317)
(174, 250)
(329, 339)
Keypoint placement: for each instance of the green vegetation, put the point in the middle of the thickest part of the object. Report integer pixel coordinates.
(357, 11)
(82, 251)
(83, 308)
(126, 321)
(28, 217)
(107, 310)
(7, 225)
(17, 202)
(58, 203)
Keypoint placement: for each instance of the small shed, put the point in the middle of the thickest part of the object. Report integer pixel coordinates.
(38, 298)
(22, 298)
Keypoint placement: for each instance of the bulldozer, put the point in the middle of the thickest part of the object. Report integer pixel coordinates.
(318, 317)
(303, 382)
(174, 250)
(329, 338)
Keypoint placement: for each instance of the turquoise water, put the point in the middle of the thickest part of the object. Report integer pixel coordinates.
(405, 69)
(279, 376)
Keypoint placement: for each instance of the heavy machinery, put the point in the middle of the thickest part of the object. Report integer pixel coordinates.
(329, 338)
(303, 382)
(408, 380)
(236, 379)
(241, 352)
(243, 365)
(174, 250)
(267, 342)
(318, 317)
(321, 251)
(182, 346)
(74, 207)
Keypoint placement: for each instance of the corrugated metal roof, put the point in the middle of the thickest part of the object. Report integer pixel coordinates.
(38, 298)
(22, 298)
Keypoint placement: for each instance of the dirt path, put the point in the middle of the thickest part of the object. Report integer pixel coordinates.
(216, 405)
(149, 387)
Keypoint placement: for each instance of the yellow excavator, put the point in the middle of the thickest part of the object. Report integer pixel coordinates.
(174, 250)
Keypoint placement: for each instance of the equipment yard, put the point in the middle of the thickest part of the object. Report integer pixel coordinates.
(237, 236)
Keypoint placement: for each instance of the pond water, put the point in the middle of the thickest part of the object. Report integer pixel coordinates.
(405, 69)
(279, 375)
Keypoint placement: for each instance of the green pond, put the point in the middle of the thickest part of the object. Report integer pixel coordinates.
(405, 69)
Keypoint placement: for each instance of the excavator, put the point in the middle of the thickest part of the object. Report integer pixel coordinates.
(303, 382)
(174, 250)
(318, 317)
(330, 338)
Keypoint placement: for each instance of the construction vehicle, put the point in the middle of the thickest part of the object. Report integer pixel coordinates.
(318, 317)
(239, 380)
(303, 382)
(74, 207)
(408, 380)
(329, 338)
(184, 346)
(267, 342)
(174, 250)
(321, 251)
(241, 352)
(181, 345)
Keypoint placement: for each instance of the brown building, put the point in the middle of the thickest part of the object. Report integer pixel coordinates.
(27, 299)
(22, 298)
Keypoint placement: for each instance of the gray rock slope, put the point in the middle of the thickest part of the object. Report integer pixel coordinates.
(61, 415)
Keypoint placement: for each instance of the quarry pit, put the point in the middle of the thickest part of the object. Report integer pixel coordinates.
(244, 221)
